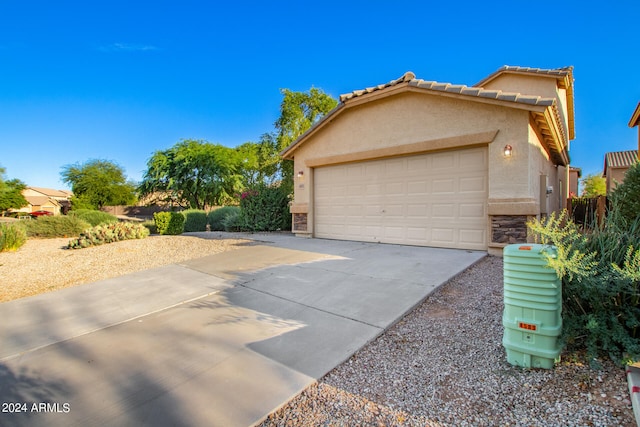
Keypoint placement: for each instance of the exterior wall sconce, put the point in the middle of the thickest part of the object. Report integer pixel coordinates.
(300, 174)
(508, 150)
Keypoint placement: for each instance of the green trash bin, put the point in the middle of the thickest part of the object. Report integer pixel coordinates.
(532, 316)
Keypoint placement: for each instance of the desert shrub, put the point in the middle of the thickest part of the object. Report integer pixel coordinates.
(216, 217)
(109, 233)
(232, 221)
(56, 226)
(169, 222)
(93, 217)
(195, 220)
(151, 226)
(265, 208)
(12, 236)
(600, 273)
(626, 196)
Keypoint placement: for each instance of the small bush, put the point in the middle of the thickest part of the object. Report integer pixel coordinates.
(217, 217)
(93, 217)
(109, 233)
(12, 237)
(56, 226)
(195, 220)
(232, 221)
(151, 226)
(171, 223)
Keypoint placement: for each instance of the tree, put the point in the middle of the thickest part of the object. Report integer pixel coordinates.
(194, 174)
(594, 186)
(11, 193)
(298, 112)
(98, 183)
(258, 162)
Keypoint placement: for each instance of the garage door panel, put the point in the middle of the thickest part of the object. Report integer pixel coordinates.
(443, 186)
(472, 184)
(472, 237)
(472, 210)
(436, 199)
(443, 210)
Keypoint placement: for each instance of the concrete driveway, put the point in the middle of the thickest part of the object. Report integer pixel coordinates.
(218, 341)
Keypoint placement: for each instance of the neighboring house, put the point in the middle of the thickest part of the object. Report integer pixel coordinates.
(635, 122)
(574, 181)
(46, 199)
(616, 165)
(435, 164)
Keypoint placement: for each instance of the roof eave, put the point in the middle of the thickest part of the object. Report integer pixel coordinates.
(635, 117)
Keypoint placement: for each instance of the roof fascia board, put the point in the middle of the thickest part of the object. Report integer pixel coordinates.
(635, 117)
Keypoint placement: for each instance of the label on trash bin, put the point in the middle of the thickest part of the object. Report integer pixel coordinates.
(527, 326)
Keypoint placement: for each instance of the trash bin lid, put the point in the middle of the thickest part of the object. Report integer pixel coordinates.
(530, 250)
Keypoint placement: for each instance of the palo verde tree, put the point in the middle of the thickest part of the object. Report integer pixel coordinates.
(98, 183)
(193, 173)
(11, 193)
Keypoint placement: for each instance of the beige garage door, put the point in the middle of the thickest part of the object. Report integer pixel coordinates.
(436, 199)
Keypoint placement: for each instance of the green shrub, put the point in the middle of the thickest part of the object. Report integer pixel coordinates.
(195, 220)
(56, 226)
(600, 274)
(169, 222)
(626, 196)
(109, 233)
(265, 208)
(151, 226)
(216, 217)
(232, 221)
(93, 217)
(12, 236)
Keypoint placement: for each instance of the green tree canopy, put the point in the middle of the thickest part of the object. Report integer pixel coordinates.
(194, 174)
(298, 112)
(594, 186)
(98, 183)
(11, 193)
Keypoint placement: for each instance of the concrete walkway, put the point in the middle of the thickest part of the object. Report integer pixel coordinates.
(218, 341)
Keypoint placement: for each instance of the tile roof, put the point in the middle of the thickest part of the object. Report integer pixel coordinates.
(560, 73)
(454, 89)
(52, 192)
(620, 159)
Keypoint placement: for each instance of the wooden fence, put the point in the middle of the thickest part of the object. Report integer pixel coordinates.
(586, 211)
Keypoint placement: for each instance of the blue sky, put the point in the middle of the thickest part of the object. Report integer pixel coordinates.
(119, 80)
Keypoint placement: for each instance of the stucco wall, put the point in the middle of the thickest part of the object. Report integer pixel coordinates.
(412, 117)
(546, 87)
(614, 177)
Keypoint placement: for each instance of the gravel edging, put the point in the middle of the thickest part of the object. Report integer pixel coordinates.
(44, 265)
(444, 365)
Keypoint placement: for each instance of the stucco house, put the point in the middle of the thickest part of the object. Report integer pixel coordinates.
(616, 165)
(436, 164)
(574, 181)
(46, 199)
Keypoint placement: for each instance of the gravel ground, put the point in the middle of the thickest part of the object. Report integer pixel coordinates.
(43, 265)
(444, 365)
